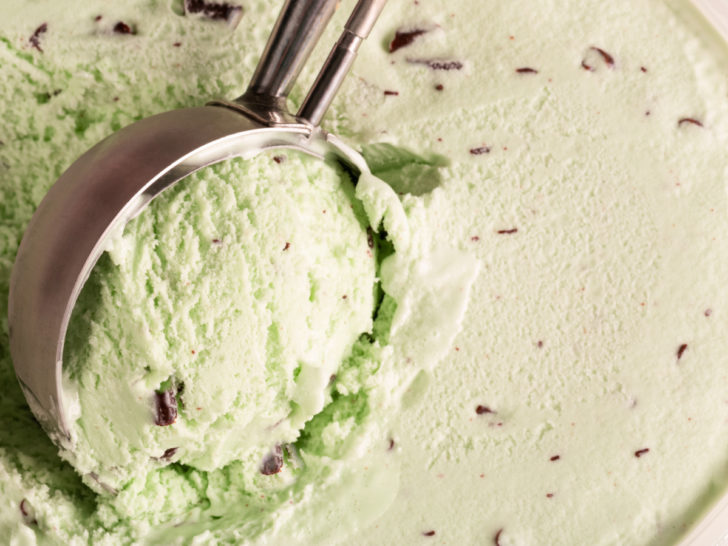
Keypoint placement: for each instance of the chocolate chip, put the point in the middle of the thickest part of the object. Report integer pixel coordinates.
(482, 410)
(389, 93)
(122, 28)
(279, 159)
(539, 344)
(526, 70)
(104, 486)
(403, 38)
(218, 11)
(555, 458)
(643, 69)
(165, 408)
(507, 231)
(370, 237)
(549, 495)
(496, 538)
(436, 64)
(28, 513)
(606, 57)
(169, 453)
(480, 150)
(35, 37)
(177, 44)
(681, 350)
(391, 444)
(430, 533)
(273, 462)
(439, 87)
(641, 452)
(691, 121)
(217, 241)
(287, 246)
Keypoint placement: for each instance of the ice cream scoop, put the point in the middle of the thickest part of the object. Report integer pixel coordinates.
(111, 183)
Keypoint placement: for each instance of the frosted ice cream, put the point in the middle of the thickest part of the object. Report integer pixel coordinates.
(532, 345)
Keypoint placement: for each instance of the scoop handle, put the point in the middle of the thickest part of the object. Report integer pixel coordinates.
(298, 28)
(340, 59)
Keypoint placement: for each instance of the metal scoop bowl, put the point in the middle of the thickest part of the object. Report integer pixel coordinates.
(112, 183)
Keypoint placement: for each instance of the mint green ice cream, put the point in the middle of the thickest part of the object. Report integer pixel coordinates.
(511, 332)
(239, 299)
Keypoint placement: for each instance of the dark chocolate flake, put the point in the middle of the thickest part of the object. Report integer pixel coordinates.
(97, 18)
(643, 69)
(430, 533)
(439, 87)
(480, 150)
(279, 159)
(496, 538)
(391, 93)
(28, 513)
(555, 458)
(681, 350)
(482, 410)
(35, 37)
(641, 452)
(273, 462)
(391, 444)
(168, 454)
(122, 28)
(507, 231)
(526, 70)
(608, 59)
(217, 11)
(691, 121)
(104, 486)
(403, 38)
(287, 246)
(370, 237)
(165, 408)
(437, 64)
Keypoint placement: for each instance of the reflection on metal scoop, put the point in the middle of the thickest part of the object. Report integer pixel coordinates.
(111, 183)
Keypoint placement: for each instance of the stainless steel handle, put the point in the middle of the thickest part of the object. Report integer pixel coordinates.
(298, 28)
(340, 59)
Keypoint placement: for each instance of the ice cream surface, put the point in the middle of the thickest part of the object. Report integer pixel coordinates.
(512, 332)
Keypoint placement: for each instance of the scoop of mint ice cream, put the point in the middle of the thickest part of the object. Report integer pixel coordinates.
(213, 327)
